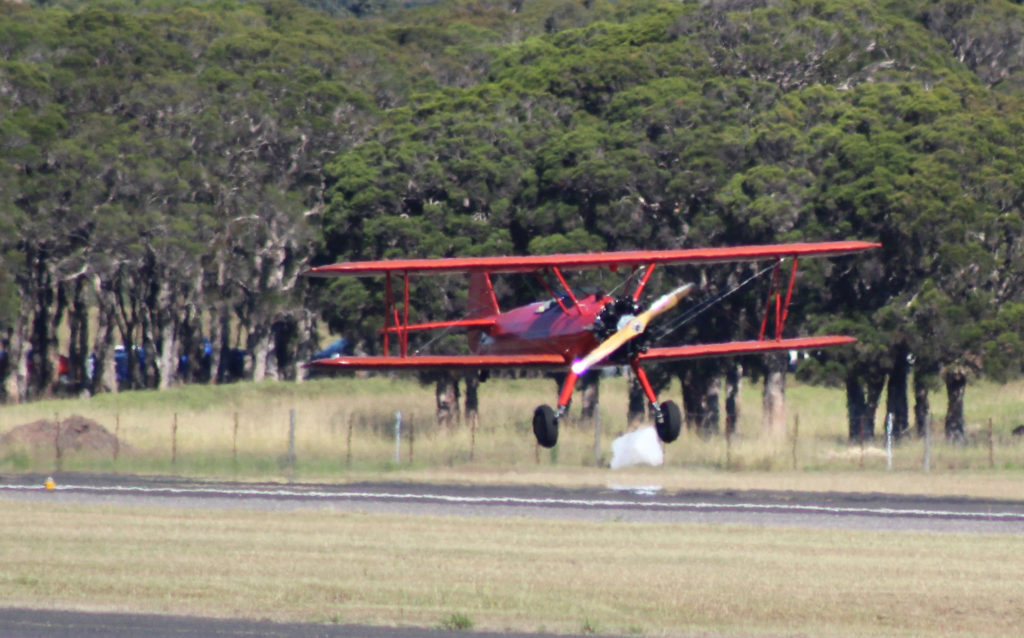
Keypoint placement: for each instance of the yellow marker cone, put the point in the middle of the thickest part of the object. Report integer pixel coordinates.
(49, 484)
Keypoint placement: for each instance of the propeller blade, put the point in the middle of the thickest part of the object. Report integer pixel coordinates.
(633, 328)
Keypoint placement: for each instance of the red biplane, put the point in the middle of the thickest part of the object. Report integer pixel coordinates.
(575, 333)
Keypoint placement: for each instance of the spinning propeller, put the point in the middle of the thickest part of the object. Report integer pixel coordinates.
(629, 328)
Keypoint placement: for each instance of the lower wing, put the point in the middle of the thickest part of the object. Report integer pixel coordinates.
(554, 361)
(732, 348)
(427, 362)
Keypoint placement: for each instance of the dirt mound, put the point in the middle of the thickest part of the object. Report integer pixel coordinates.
(75, 434)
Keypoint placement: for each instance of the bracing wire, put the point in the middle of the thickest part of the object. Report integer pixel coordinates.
(687, 317)
(699, 309)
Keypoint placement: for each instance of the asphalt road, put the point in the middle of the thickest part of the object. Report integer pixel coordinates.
(38, 623)
(832, 510)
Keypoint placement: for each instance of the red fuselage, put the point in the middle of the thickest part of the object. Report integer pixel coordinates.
(543, 328)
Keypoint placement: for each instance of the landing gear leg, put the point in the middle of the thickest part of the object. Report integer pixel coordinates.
(545, 420)
(668, 420)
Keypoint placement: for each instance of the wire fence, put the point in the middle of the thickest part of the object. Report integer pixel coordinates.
(287, 441)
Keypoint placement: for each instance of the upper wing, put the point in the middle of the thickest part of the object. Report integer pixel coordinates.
(732, 348)
(426, 362)
(614, 260)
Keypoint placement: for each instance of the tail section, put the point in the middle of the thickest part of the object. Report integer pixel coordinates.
(481, 301)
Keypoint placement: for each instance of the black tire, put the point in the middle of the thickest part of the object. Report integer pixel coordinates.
(545, 426)
(670, 423)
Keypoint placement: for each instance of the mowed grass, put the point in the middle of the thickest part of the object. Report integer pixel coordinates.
(345, 428)
(569, 576)
(510, 574)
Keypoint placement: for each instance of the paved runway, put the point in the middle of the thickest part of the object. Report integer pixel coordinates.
(830, 510)
(32, 623)
(875, 512)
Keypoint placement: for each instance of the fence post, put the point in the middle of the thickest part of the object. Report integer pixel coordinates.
(174, 440)
(888, 441)
(991, 446)
(398, 437)
(472, 436)
(117, 433)
(412, 431)
(58, 460)
(348, 439)
(863, 420)
(234, 443)
(291, 443)
(926, 464)
(728, 450)
(796, 436)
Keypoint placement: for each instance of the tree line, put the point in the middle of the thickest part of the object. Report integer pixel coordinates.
(170, 169)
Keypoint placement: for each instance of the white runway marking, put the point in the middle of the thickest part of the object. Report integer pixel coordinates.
(663, 505)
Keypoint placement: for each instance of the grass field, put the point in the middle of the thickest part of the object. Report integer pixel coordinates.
(497, 574)
(517, 574)
(346, 426)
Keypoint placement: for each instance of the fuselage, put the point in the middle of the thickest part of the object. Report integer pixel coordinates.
(543, 328)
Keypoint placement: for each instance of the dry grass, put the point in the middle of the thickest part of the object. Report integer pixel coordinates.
(345, 427)
(510, 573)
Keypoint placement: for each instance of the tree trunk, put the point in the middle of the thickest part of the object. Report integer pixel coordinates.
(189, 338)
(472, 401)
(104, 373)
(590, 386)
(692, 386)
(164, 332)
(261, 346)
(863, 392)
(15, 346)
(49, 309)
(637, 410)
(956, 386)
(78, 347)
(733, 378)
(305, 346)
(896, 392)
(167, 356)
(285, 334)
(875, 386)
(220, 340)
(701, 387)
(127, 324)
(104, 368)
(712, 413)
(447, 395)
(921, 406)
(773, 398)
(856, 408)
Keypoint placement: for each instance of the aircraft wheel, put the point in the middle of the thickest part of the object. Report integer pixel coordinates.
(670, 422)
(545, 426)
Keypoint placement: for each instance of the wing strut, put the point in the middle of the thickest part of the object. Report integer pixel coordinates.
(387, 312)
(401, 325)
(565, 284)
(405, 315)
(643, 283)
(557, 297)
(775, 296)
